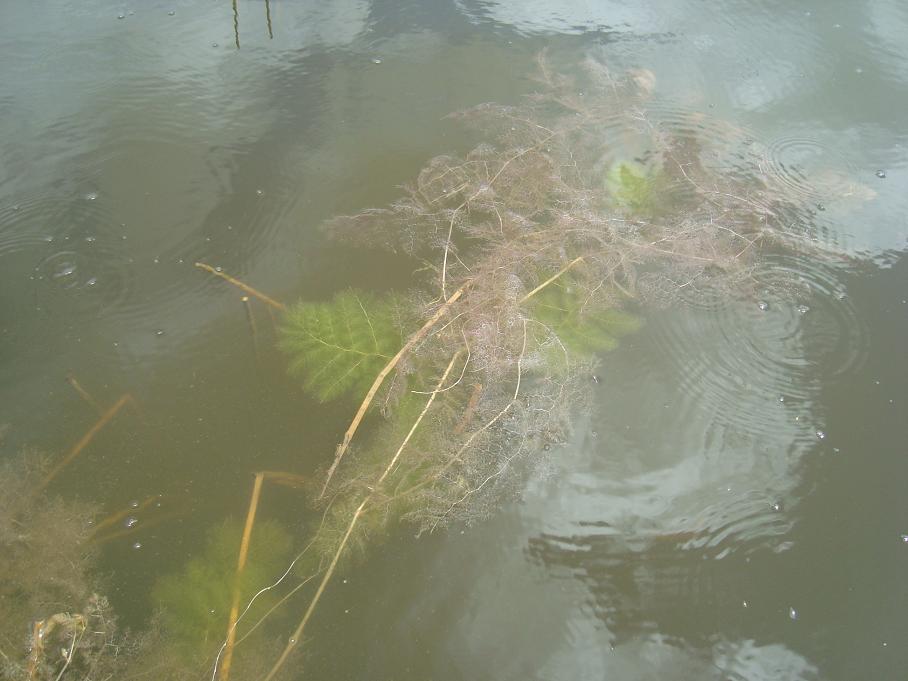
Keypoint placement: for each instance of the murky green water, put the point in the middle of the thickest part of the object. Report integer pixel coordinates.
(732, 506)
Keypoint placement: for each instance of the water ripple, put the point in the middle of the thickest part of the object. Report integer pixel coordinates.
(742, 359)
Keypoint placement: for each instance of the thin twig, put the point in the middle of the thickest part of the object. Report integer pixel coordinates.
(240, 285)
(298, 632)
(85, 440)
(84, 394)
(575, 261)
(376, 384)
(240, 566)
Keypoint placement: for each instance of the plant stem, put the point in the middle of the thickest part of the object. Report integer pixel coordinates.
(361, 412)
(240, 565)
(85, 440)
(295, 637)
(240, 285)
(548, 281)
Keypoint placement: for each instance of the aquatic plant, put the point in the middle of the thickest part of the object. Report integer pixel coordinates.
(339, 346)
(54, 623)
(536, 256)
(195, 601)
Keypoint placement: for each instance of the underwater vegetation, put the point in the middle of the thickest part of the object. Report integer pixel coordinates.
(54, 621)
(533, 254)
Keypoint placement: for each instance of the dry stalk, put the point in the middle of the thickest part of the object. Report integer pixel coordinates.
(298, 632)
(240, 566)
(85, 440)
(361, 412)
(84, 394)
(240, 285)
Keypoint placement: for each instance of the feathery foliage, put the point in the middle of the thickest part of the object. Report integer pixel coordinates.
(582, 330)
(337, 347)
(196, 600)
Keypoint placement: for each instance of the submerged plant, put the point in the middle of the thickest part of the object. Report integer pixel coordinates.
(338, 347)
(195, 601)
(534, 262)
(54, 624)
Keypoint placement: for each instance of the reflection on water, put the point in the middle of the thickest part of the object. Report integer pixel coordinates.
(731, 507)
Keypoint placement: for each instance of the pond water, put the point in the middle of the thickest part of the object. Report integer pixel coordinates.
(732, 505)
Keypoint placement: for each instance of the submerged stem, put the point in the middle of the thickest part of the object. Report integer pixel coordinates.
(298, 632)
(361, 412)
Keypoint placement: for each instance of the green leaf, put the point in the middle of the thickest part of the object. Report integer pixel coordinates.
(584, 332)
(338, 347)
(195, 602)
(631, 186)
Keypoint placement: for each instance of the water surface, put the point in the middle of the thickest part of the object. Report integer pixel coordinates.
(733, 504)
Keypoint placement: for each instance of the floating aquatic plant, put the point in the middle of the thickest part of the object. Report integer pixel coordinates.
(532, 264)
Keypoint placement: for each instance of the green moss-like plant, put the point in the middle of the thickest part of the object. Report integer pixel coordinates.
(338, 347)
(195, 601)
(631, 186)
(583, 332)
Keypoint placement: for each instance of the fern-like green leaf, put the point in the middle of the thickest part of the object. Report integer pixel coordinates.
(560, 307)
(338, 347)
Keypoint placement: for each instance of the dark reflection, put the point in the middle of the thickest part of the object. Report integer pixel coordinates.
(268, 19)
(236, 25)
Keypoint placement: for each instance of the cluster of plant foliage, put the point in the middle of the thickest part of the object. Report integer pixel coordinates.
(536, 252)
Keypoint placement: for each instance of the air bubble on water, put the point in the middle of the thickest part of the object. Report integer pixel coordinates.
(171, 13)
(881, 174)
(91, 196)
(763, 305)
(376, 60)
(776, 506)
(904, 537)
(594, 433)
(214, 44)
(134, 503)
(259, 192)
(121, 16)
(821, 207)
(821, 435)
(744, 603)
(793, 614)
(91, 281)
(65, 270)
(131, 521)
(782, 398)
(159, 332)
(156, 261)
(137, 545)
(292, 641)
(219, 269)
(858, 70)
(803, 309)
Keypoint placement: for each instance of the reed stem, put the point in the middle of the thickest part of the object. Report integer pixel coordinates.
(240, 285)
(240, 566)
